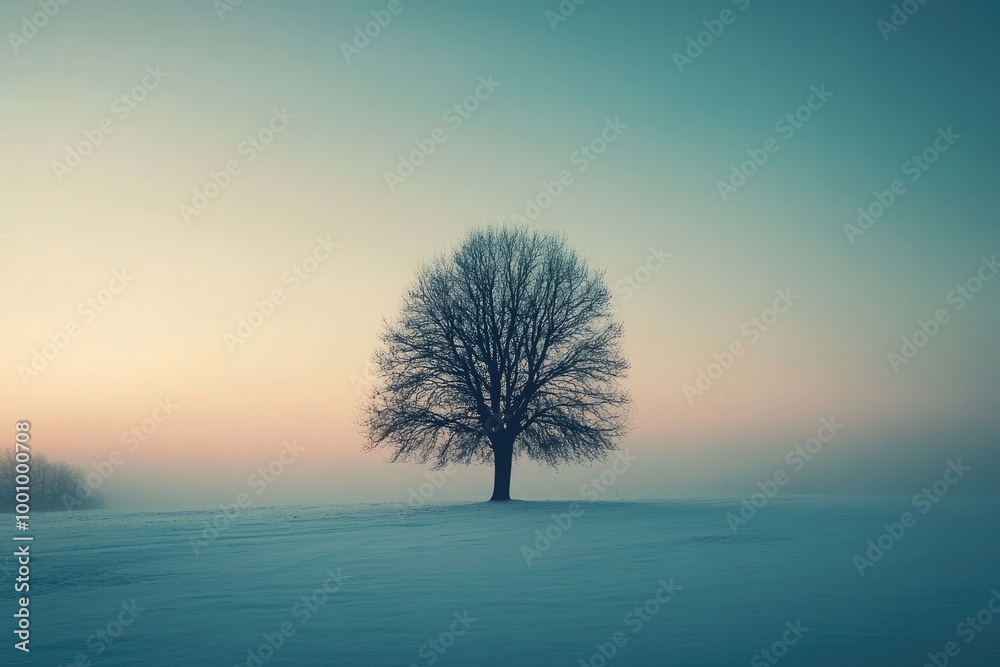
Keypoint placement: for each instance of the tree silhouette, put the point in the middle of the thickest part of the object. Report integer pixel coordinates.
(506, 347)
(54, 485)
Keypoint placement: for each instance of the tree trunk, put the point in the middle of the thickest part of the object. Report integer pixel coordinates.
(503, 458)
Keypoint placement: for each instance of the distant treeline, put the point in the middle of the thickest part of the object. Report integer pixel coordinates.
(53, 485)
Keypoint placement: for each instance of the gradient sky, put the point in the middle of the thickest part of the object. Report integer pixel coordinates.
(323, 176)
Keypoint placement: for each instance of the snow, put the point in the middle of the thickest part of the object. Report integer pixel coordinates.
(404, 577)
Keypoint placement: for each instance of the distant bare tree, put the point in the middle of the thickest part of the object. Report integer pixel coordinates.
(54, 485)
(505, 347)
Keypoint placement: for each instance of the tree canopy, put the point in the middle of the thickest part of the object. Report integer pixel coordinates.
(505, 347)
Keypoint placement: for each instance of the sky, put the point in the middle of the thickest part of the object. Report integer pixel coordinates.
(169, 170)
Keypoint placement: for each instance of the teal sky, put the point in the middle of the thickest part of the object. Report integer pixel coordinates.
(655, 186)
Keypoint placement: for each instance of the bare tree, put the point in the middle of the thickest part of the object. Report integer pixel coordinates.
(506, 347)
(52, 484)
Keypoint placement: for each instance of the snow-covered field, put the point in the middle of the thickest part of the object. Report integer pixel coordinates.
(451, 585)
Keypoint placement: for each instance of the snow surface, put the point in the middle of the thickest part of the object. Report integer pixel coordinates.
(405, 576)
